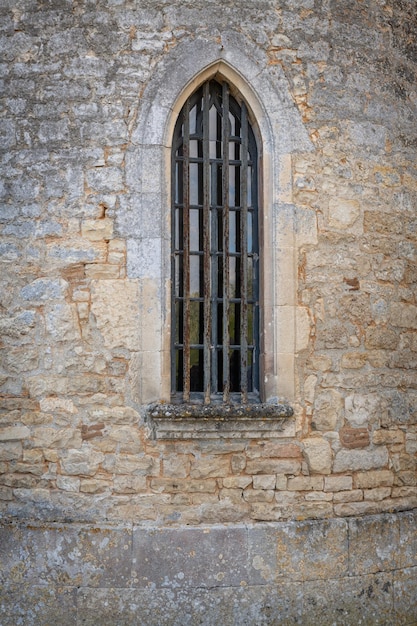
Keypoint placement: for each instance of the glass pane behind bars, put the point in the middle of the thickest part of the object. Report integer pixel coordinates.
(215, 252)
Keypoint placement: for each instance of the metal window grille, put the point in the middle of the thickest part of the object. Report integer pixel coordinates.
(215, 264)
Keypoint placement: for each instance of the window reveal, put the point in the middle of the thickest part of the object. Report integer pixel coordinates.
(215, 263)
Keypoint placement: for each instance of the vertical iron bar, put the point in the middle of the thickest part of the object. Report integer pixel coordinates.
(244, 257)
(225, 260)
(206, 241)
(186, 252)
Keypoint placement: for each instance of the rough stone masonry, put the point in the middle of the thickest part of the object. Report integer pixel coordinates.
(114, 510)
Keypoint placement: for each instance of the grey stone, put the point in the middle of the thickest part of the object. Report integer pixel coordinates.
(194, 557)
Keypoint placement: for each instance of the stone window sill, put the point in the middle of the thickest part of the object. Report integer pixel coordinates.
(235, 421)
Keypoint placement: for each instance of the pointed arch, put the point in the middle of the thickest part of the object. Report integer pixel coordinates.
(145, 219)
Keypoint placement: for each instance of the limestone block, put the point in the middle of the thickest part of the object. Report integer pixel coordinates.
(343, 212)
(354, 495)
(115, 305)
(84, 462)
(273, 466)
(45, 437)
(210, 467)
(10, 451)
(130, 484)
(237, 482)
(374, 478)
(373, 544)
(258, 495)
(129, 464)
(68, 483)
(354, 360)
(361, 410)
(385, 436)
(177, 466)
(54, 404)
(354, 460)
(14, 433)
(237, 463)
(328, 410)
(377, 494)
(305, 483)
(403, 315)
(43, 290)
(381, 338)
(172, 485)
(264, 481)
(318, 455)
(97, 230)
(303, 328)
(337, 483)
(62, 322)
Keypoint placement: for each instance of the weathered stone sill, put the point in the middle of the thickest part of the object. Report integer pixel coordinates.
(242, 421)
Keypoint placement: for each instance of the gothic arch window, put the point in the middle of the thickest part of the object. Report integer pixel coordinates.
(215, 336)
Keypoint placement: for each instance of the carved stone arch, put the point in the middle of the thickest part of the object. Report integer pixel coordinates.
(144, 219)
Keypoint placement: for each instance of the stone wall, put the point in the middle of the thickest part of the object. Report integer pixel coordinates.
(314, 572)
(89, 94)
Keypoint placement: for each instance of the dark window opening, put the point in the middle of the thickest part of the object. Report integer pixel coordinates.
(215, 250)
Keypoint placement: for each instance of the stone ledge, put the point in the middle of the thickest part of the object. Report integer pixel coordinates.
(236, 421)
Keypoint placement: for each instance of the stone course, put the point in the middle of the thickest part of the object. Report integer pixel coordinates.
(313, 572)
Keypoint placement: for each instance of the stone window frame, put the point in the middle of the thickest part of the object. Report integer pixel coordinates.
(145, 217)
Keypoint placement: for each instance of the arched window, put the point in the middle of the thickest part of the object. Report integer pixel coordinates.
(215, 250)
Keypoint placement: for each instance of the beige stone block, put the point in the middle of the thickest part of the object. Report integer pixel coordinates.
(151, 377)
(102, 271)
(347, 509)
(130, 464)
(53, 404)
(355, 495)
(281, 482)
(375, 478)
(320, 362)
(306, 483)
(177, 466)
(210, 467)
(84, 462)
(337, 483)
(328, 411)
(354, 360)
(356, 460)
(265, 512)
(258, 495)
(265, 481)
(130, 484)
(68, 483)
(379, 493)
(404, 492)
(10, 451)
(343, 212)
(117, 245)
(237, 482)
(381, 339)
(45, 437)
(287, 498)
(233, 495)
(318, 496)
(116, 258)
(115, 305)
(238, 463)
(361, 410)
(274, 450)
(6, 493)
(303, 329)
(310, 388)
(94, 485)
(273, 466)
(403, 315)
(384, 436)
(318, 454)
(97, 230)
(14, 433)
(172, 485)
